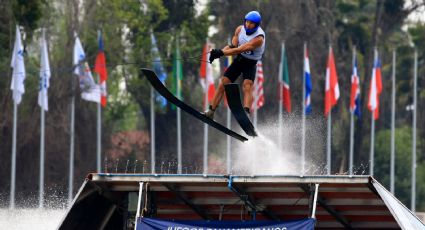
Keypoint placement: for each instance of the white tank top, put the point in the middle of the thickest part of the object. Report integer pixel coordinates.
(256, 54)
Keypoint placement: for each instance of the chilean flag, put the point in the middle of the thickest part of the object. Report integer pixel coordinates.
(375, 88)
(308, 86)
(331, 88)
(100, 68)
(355, 91)
(206, 74)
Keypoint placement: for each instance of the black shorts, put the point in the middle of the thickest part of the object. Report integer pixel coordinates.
(241, 65)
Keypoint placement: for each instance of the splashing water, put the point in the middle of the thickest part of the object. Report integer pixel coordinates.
(262, 156)
(272, 153)
(37, 219)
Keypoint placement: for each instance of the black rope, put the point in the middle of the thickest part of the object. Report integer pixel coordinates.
(71, 69)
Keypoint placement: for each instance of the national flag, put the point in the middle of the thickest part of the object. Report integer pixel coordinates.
(285, 93)
(177, 73)
(258, 87)
(355, 91)
(375, 88)
(18, 65)
(100, 68)
(44, 75)
(331, 87)
(158, 68)
(90, 91)
(308, 85)
(206, 74)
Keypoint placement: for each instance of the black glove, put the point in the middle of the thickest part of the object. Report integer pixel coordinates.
(215, 53)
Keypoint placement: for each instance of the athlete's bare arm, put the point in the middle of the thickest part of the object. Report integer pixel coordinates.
(251, 45)
(234, 38)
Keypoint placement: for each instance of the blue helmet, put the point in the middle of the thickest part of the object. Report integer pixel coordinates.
(255, 17)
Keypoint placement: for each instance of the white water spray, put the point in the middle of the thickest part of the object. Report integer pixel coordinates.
(37, 219)
(263, 156)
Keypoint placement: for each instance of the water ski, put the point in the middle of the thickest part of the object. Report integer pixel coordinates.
(233, 97)
(157, 84)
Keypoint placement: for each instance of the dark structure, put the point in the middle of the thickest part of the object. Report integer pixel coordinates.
(114, 201)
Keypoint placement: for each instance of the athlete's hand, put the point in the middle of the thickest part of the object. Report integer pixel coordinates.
(215, 53)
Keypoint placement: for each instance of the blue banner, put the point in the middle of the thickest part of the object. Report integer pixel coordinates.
(158, 224)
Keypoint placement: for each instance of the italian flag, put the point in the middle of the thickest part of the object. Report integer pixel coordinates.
(285, 93)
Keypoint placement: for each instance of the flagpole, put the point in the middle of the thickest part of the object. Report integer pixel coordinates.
(42, 128)
(254, 156)
(328, 145)
(351, 157)
(372, 144)
(303, 114)
(415, 89)
(179, 137)
(392, 166)
(72, 130)
(205, 156)
(18, 66)
(179, 142)
(13, 167)
(41, 185)
(350, 163)
(372, 128)
(43, 87)
(229, 126)
(99, 127)
(205, 152)
(280, 116)
(71, 147)
(152, 131)
(99, 123)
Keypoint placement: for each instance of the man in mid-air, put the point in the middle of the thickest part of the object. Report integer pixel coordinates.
(248, 43)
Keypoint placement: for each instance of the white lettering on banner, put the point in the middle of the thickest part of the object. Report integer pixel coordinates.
(253, 228)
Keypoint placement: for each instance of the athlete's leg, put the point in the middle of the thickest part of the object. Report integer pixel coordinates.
(218, 95)
(247, 93)
(229, 76)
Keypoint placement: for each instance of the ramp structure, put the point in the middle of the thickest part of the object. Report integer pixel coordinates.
(116, 201)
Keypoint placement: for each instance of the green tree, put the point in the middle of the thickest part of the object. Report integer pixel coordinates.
(403, 163)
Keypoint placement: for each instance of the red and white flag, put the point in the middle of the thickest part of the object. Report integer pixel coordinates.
(355, 91)
(375, 88)
(332, 87)
(258, 87)
(206, 73)
(100, 68)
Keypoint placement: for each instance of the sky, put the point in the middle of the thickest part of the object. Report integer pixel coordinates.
(417, 15)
